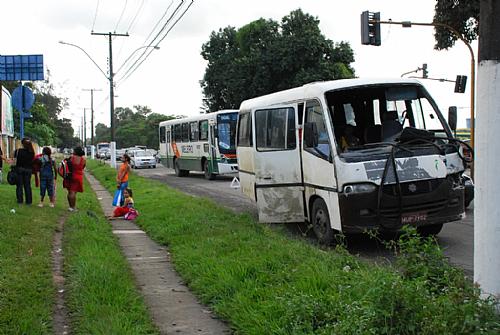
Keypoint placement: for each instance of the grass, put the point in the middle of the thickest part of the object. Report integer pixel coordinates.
(26, 289)
(265, 282)
(100, 293)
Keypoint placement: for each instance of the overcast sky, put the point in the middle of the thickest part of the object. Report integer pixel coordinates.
(168, 80)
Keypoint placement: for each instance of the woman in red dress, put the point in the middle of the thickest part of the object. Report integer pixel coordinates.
(76, 183)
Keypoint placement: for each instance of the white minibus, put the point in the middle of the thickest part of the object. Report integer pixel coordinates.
(351, 155)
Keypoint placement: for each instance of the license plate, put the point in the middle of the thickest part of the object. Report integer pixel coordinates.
(409, 218)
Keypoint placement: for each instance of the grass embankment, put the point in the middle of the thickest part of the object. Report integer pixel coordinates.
(264, 282)
(100, 292)
(26, 288)
(102, 297)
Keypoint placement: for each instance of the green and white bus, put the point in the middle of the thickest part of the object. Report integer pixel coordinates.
(204, 143)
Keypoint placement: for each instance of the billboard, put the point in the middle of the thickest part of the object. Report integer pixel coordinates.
(21, 67)
(6, 114)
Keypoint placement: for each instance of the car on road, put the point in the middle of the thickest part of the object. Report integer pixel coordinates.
(119, 154)
(141, 158)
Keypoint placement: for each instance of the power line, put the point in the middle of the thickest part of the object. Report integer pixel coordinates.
(95, 15)
(121, 15)
(132, 70)
(157, 23)
(139, 10)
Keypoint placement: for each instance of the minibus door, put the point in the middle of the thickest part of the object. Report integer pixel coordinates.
(212, 142)
(278, 177)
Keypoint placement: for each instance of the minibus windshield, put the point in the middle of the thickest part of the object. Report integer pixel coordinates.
(379, 113)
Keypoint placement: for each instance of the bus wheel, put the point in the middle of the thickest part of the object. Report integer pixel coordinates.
(431, 230)
(178, 171)
(321, 222)
(206, 169)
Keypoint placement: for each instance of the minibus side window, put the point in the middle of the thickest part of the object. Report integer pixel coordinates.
(177, 133)
(314, 114)
(162, 134)
(275, 129)
(245, 130)
(185, 132)
(168, 136)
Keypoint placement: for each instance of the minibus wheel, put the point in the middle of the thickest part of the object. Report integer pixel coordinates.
(431, 230)
(321, 222)
(178, 171)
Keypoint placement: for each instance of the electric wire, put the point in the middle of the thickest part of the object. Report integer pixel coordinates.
(162, 38)
(137, 13)
(95, 15)
(152, 31)
(121, 15)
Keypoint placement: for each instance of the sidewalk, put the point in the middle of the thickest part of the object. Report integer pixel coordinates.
(174, 309)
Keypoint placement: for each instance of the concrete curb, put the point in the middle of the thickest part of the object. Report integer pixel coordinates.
(175, 310)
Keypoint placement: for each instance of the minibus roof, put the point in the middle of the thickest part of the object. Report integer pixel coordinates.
(317, 89)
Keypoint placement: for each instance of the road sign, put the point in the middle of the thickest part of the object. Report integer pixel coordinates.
(22, 98)
(21, 67)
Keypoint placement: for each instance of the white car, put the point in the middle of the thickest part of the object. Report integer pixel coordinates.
(141, 158)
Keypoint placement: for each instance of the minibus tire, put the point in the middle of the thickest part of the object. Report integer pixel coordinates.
(206, 171)
(320, 220)
(431, 230)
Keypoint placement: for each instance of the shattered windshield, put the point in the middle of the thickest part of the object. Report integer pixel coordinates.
(374, 114)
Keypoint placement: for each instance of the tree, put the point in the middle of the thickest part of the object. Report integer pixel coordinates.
(461, 15)
(265, 56)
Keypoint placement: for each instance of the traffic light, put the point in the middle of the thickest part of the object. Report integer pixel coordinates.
(425, 74)
(370, 28)
(460, 84)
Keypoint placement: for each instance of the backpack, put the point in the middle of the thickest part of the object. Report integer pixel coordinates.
(46, 169)
(65, 168)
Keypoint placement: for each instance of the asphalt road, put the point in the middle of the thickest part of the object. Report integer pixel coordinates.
(456, 238)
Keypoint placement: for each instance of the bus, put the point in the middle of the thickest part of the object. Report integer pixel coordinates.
(351, 155)
(203, 143)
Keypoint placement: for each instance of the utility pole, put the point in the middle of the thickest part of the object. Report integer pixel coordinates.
(85, 128)
(486, 209)
(92, 90)
(111, 84)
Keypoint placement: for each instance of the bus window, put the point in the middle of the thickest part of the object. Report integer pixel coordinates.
(185, 132)
(162, 135)
(178, 133)
(193, 136)
(271, 126)
(204, 130)
(314, 114)
(168, 136)
(226, 132)
(245, 130)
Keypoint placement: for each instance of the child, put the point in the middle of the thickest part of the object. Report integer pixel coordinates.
(48, 173)
(128, 204)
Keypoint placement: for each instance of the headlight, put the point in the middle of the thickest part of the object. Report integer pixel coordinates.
(359, 188)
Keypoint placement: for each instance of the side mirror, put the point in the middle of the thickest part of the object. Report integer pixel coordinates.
(452, 117)
(311, 137)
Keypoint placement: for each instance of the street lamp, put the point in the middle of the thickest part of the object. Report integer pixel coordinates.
(85, 52)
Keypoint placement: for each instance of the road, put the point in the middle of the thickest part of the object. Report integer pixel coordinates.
(456, 238)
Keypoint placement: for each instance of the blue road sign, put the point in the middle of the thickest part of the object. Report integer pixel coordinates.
(22, 98)
(21, 67)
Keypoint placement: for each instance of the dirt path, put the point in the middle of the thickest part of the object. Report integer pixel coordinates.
(60, 313)
(175, 310)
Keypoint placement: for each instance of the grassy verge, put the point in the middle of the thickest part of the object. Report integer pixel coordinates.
(264, 282)
(26, 289)
(102, 297)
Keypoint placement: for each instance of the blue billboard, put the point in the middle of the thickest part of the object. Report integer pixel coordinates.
(21, 67)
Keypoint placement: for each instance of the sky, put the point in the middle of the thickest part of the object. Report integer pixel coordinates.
(168, 80)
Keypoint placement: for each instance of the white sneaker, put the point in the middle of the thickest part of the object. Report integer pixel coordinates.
(40, 205)
(71, 209)
(51, 205)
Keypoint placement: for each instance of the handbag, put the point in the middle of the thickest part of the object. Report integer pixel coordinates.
(117, 198)
(12, 176)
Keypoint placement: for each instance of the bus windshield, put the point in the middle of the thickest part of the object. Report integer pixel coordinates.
(226, 132)
(373, 114)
